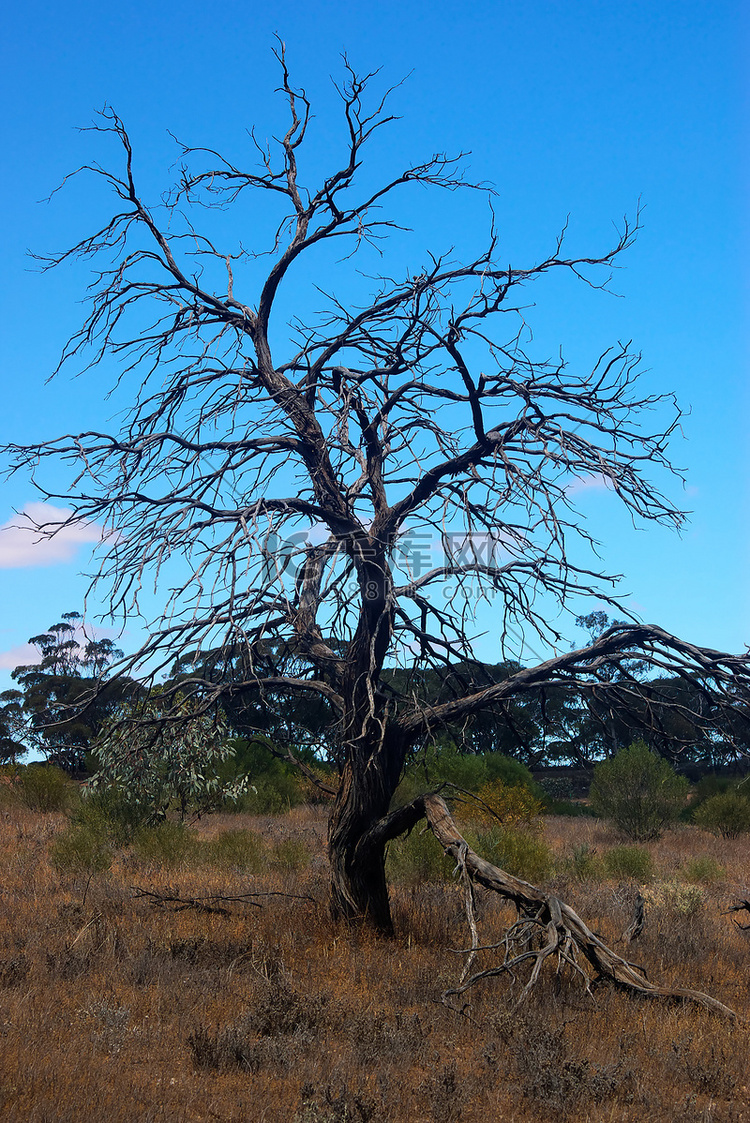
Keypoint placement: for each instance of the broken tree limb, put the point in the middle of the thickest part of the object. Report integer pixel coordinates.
(546, 927)
(635, 928)
(211, 903)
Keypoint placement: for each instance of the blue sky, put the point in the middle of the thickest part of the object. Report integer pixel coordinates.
(569, 108)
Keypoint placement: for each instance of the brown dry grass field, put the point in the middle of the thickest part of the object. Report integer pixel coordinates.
(112, 1009)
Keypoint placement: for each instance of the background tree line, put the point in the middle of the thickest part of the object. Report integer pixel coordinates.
(61, 705)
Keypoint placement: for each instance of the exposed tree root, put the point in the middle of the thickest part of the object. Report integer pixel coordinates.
(546, 928)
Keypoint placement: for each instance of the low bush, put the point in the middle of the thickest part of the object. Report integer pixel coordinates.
(109, 812)
(568, 807)
(628, 862)
(703, 870)
(81, 849)
(40, 787)
(291, 855)
(521, 852)
(444, 763)
(726, 814)
(638, 791)
(584, 863)
(235, 850)
(675, 897)
(416, 858)
(511, 806)
(271, 793)
(168, 843)
(709, 785)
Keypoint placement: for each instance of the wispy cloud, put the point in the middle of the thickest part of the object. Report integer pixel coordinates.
(22, 656)
(22, 544)
(594, 482)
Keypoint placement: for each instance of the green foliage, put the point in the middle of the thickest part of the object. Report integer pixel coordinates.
(511, 772)
(638, 791)
(567, 807)
(628, 862)
(510, 806)
(81, 848)
(162, 763)
(416, 858)
(443, 762)
(168, 843)
(521, 852)
(584, 863)
(236, 850)
(291, 855)
(703, 870)
(726, 814)
(709, 785)
(270, 786)
(109, 812)
(273, 793)
(40, 787)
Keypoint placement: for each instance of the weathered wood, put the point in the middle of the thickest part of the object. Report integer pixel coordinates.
(540, 913)
(634, 929)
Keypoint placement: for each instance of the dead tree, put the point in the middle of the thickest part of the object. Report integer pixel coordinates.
(282, 485)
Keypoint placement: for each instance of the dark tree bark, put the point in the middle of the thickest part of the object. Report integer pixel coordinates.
(280, 485)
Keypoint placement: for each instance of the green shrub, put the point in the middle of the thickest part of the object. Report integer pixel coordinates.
(584, 863)
(709, 785)
(239, 850)
(271, 793)
(628, 861)
(522, 853)
(41, 787)
(508, 805)
(270, 786)
(512, 773)
(81, 849)
(109, 812)
(568, 807)
(416, 858)
(726, 814)
(638, 791)
(444, 763)
(291, 855)
(703, 870)
(167, 843)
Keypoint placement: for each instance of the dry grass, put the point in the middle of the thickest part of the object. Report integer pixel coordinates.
(113, 1010)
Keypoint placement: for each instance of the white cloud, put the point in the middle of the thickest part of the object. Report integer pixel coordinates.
(23, 545)
(22, 656)
(594, 482)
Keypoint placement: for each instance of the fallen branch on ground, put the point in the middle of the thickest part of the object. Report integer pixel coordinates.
(546, 928)
(163, 898)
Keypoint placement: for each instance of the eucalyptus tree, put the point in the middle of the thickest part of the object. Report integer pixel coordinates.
(353, 477)
(63, 700)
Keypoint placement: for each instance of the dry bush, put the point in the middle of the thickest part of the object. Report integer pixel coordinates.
(114, 1011)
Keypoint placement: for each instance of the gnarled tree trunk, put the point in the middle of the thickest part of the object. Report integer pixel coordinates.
(356, 845)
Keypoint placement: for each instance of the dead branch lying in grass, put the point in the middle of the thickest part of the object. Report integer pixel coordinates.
(167, 897)
(546, 928)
